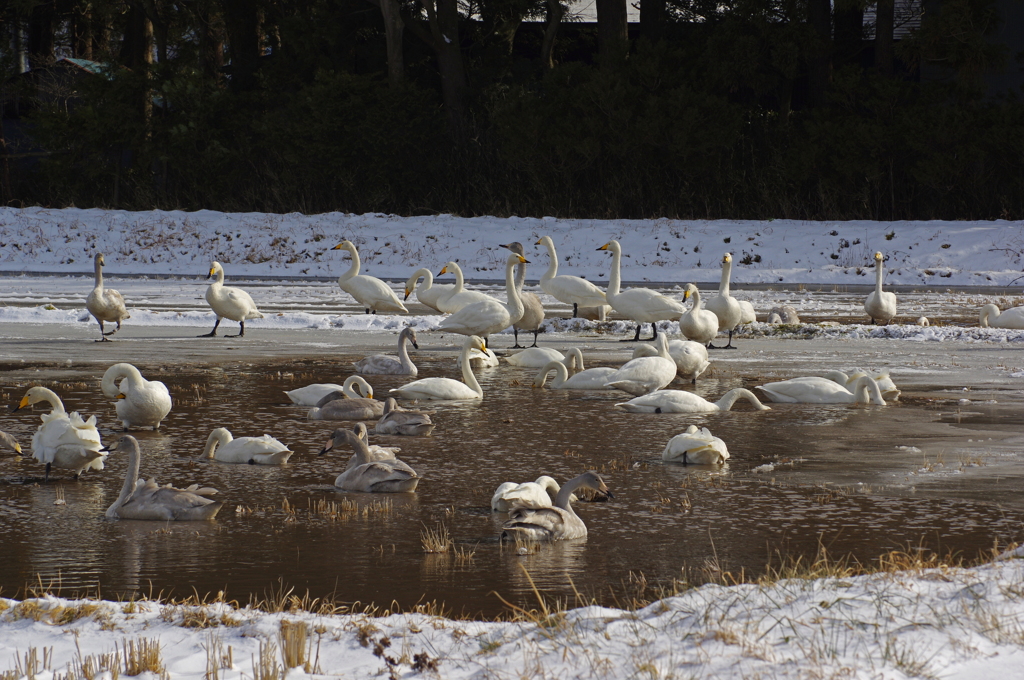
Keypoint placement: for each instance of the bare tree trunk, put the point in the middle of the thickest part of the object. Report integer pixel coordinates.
(444, 31)
(394, 27)
(556, 10)
(243, 28)
(82, 33)
(819, 16)
(612, 36)
(884, 20)
(652, 19)
(42, 23)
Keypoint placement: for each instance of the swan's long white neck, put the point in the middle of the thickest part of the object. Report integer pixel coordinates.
(403, 350)
(734, 395)
(879, 273)
(552, 271)
(349, 390)
(116, 372)
(99, 273)
(661, 344)
(467, 371)
(50, 397)
(219, 281)
(723, 285)
(515, 303)
(219, 436)
(696, 300)
(353, 269)
(614, 278)
(564, 498)
(561, 374)
(459, 280)
(866, 385)
(130, 479)
(578, 356)
(428, 280)
(988, 313)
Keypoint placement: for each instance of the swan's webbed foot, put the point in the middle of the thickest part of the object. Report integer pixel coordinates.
(111, 332)
(710, 346)
(241, 331)
(104, 339)
(213, 333)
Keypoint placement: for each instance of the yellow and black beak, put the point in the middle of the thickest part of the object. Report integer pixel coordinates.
(444, 270)
(686, 295)
(604, 247)
(538, 241)
(338, 247)
(523, 259)
(121, 395)
(22, 404)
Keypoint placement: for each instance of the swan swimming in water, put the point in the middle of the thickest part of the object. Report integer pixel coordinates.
(880, 305)
(311, 394)
(535, 357)
(145, 403)
(385, 364)
(446, 388)
(105, 304)
(228, 303)
(265, 450)
(397, 420)
(589, 379)
(696, 446)
(368, 475)
(150, 501)
(64, 440)
(539, 494)
(645, 374)
(813, 390)
(341, 406)
(369, 291)
(10, 442)
(643, 305)
(678, 401)
(691, 357)
(557, 523)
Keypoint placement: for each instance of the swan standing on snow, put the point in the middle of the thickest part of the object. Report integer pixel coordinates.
(696, 446)
(10, 442)
(427, 293)
(640, 304)
(557, 523)
(64, 440)
(571, 290)
(678, 401)
(539, 494)
(344, 406)
(691, 357)
(489, 316)
(725, 306)
(589, 379)
(645, 374)
(783, 314)
(458, 297)
(990, 316)
(812, 390)
(533, 311)
(229, 303)
(265, 450)
(697, 324)
(446, 388)
(385, 364)
(369, 291)
(150, 501)
(880, 305)
(140, 402)
(311, 394)
(403, 421)
(535, 357)
(105, 304)
(369, 475)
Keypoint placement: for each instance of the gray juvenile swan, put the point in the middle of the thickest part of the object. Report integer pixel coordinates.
(150, 501)
(10, 442)
(557, 523)
(386, 364)
(397, 420)
(340, 406)
(369, 475)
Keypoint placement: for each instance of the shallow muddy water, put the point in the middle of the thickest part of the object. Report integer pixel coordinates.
(799, 475)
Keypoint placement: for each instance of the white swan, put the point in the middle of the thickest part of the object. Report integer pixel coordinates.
(696, 446)
(691, 357)
(311, 394)
(140, 402)
(535, 357)
(64, 440)
(369, 291)
(386, 364)
(228, 303)
(1011, 318)
(402, 421)
(697, 324)
(489, 316)
(783, 314)
(571, 290)
(725, 306)
(589, 379)
(812, 390)
(150, 501)
(105, 304)
(556, 523)
(923, 320)
(885, 384)
(640, 304)
(446, 388)
(458, 297)
(369, 475)
(478, 359)
(749, 315)
(533, 311)
(10, 442)
(343, 406)
(645, 374)
(538, 494)
(678, 401)
(265, 450)
(427, 293)
(880, 305)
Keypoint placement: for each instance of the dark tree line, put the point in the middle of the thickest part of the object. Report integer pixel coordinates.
(725, 108)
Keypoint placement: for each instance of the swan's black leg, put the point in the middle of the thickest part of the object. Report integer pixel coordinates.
(46, 477)
(654, 329)
(535, 333)
(241, 331)
(729, 345)
(635, 338)
(103, 336)
(213, 333)
(113, 331)
(575, 309)
(515, 334)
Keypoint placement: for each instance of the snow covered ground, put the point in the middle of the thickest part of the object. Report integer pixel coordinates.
(936, 623)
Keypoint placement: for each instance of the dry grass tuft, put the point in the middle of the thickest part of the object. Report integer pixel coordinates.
(216, 658)
(142, 656)
(30, 665)
(436, 540)
(264, 665)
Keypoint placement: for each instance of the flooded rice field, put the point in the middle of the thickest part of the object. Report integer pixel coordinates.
(928, 471)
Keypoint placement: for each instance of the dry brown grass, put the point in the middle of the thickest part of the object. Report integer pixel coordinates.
(436, 540)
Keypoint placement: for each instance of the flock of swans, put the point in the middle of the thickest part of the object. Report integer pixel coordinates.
(538, 510)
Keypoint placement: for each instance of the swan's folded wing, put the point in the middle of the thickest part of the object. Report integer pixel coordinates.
(530, 495)
(547, 521)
